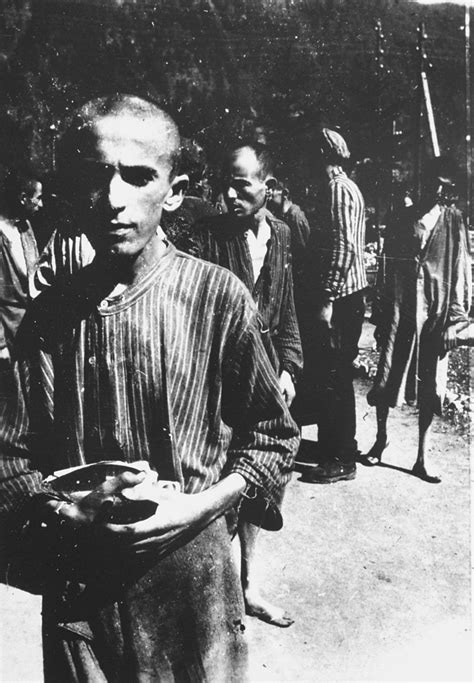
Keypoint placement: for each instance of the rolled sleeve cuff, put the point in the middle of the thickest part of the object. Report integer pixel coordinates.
(258, 506)
(261, 500)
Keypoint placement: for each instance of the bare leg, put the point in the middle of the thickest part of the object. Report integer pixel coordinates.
(255, 605)
(374, 456)
(424, 424)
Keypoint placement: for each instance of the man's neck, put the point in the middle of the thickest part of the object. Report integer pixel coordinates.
(257, 221)
(333, 170)
(128, 271)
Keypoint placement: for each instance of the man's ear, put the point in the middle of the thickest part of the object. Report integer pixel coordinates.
(270, 186)
(175, 196)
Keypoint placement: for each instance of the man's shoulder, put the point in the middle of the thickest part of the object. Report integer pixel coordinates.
(279, 225)
(6, 226)
(296, 213)
(200, 273)
(346, 191)
(280, 230)
(202, 283)
(343, 181)
(455, 219)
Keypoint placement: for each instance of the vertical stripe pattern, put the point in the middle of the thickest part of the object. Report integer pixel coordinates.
(344, 270)
(227, 246)
(173, 371)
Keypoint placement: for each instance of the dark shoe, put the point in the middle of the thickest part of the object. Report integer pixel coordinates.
(330, 472)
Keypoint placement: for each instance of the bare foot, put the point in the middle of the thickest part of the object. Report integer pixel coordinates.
(374, 456)
(255, 606)
(420, 472)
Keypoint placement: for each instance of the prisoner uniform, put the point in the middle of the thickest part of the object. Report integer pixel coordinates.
(171, 371)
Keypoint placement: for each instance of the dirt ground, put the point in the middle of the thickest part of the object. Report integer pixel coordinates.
(375, 571)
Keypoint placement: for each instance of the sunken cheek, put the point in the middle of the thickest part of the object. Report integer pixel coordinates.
(137, 203)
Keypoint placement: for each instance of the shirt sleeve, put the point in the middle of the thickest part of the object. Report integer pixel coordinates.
(62, 257)
(3, 340)
(21, 425)
(21, 480)
(46, 269)
(461, 287)
(341, 252)
(300, 231)
(265, 438)
(288, 341)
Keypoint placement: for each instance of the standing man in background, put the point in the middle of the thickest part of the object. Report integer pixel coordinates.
(337, 291)
(18, 253)
(425, 301)
(253, 244)
(284, 208)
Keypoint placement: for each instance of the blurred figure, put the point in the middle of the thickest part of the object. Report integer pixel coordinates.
(178, 224)
(425, 300)
(22, 199)
(283, 207)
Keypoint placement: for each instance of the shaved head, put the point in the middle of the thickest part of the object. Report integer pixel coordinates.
(127, 111)
(117, 172)
(256, 157)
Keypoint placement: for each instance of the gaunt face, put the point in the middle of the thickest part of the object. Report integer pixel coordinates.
(244, 189)
(33, 202)
(122, 178)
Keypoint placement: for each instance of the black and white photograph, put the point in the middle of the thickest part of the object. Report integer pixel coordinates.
(236, 331)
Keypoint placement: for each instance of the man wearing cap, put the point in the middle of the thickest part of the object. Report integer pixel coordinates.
(338, 313)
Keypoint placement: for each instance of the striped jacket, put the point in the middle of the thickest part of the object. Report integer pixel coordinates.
(172, 371)
(224, 243)
(343, 270)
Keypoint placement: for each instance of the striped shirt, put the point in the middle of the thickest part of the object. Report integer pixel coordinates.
(171, 371)
(225, 244)
(343, 270)
(63, 256)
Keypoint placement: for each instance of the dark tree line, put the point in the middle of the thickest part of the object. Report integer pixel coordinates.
(226, 67)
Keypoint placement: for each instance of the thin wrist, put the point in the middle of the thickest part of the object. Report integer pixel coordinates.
(223, 495)
(290, 371)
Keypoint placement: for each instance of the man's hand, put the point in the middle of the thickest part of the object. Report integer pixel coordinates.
(4, 356)
(92, 508)
(287, 387)
(325, 329)
(178, 517)
(324, 313)
(449, 338)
